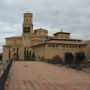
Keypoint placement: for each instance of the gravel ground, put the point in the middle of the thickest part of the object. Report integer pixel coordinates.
(43, 76)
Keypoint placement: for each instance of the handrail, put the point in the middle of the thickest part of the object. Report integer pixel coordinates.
(4, 74)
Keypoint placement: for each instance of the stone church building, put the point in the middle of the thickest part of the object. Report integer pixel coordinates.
(43, 45)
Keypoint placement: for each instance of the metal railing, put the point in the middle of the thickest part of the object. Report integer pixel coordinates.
(4, 74)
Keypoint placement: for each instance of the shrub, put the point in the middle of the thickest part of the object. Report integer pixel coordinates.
(79, 58)
(33, 56)
(68, 58)
(56, 60)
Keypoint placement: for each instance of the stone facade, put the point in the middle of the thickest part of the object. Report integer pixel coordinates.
(41, 44)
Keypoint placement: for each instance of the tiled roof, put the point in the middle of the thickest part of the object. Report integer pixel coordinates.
(61, 33)
(14, 37)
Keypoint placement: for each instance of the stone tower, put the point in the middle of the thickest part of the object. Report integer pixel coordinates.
(27, 24)
(27, 29)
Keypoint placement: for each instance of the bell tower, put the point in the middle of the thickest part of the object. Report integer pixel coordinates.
(27, 23)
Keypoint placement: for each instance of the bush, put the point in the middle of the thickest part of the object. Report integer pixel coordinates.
(56, 60)
(33, 56)
(79, 58)
(49, 61)
(68, 58)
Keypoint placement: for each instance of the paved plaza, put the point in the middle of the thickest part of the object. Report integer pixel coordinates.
(43, 76)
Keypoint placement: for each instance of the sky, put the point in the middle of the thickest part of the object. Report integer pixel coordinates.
(71, 15)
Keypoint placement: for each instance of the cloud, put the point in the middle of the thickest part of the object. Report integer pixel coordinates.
(71, 15)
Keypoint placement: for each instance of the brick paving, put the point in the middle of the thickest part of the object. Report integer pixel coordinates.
(43, 76)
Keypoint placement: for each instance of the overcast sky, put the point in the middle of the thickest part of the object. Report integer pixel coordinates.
(71, 15)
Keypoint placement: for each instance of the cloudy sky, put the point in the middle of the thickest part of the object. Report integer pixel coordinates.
(70, 15)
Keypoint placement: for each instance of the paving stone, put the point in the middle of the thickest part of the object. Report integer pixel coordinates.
(43, 76)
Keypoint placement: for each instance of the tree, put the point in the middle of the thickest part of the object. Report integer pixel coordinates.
(56, 60)
(80, 56)
(68, 58)
(33, 56)
(25, 54)
(30, 56)
(17, 55)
